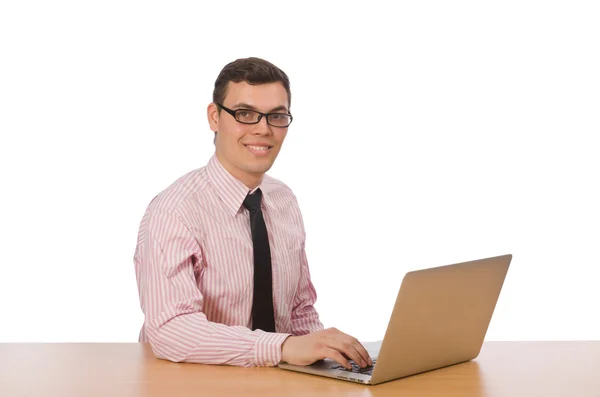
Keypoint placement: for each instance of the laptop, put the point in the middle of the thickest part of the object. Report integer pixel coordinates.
(440, 318)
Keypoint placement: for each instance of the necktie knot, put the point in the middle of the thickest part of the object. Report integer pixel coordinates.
(252, 201)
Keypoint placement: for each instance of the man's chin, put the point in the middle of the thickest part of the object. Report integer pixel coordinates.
(259, 165)
(259, 170)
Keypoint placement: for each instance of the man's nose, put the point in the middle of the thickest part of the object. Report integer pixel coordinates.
(262, 126)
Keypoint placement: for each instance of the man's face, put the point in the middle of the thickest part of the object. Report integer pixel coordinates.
(240, 148)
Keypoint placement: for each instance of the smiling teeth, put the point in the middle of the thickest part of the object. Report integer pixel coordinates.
(258, 147)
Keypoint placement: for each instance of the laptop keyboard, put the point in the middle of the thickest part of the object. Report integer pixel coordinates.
(368, 370)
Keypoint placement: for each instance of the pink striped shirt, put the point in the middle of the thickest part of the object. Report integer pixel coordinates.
(194, 268)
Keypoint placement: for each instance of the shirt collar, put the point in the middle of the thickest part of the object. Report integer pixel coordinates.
(230, 190)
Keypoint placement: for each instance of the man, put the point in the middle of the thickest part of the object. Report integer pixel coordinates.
(220, 260)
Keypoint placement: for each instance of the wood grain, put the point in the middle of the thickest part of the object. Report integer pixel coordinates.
(125, 370)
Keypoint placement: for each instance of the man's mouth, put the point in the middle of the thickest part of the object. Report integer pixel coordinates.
(258, 150)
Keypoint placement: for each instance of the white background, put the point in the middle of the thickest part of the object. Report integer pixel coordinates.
(424, 134)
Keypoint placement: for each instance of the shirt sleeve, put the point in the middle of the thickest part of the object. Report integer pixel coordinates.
(305, 319)
(167, 261)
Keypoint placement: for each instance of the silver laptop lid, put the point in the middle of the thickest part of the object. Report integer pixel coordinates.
(440, 317)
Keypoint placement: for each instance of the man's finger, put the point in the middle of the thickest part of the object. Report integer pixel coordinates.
(337, 357)
(337, 339)
(348, 350)
(362, 351)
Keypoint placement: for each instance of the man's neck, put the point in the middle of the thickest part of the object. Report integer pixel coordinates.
(250, 180)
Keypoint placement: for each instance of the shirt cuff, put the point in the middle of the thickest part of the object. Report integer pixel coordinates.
(267, 351)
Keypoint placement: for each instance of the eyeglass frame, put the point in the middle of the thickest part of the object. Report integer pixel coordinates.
(260, 116)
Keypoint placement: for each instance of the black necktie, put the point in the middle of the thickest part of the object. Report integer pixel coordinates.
(262, 304)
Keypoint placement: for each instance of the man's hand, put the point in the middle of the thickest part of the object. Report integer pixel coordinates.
(329, 343)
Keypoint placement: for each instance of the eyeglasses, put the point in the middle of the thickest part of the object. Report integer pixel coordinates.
(248, 116)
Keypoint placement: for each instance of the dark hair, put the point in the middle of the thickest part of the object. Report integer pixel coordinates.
(252, 71)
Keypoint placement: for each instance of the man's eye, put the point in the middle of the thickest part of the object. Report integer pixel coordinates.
(246, 116)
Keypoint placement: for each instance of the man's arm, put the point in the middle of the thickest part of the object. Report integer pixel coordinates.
(305, 319)
(310, 342)
(166, 261)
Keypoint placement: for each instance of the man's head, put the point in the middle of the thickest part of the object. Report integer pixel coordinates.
(246, 148)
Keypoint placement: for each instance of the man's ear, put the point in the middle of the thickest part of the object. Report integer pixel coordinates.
(212, 113)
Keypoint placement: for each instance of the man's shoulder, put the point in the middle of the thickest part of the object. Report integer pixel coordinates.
(275, 186)
(159, 219)
(171, 198)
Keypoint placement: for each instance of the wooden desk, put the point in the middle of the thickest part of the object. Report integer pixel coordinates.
(118, 370)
